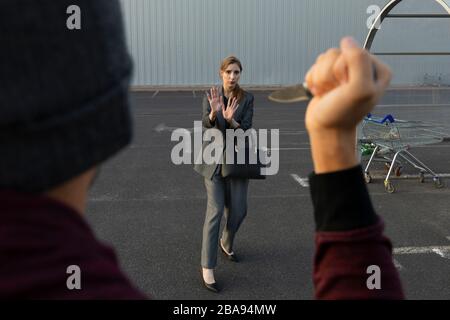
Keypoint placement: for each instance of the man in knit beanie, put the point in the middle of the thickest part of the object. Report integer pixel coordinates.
(63, 111)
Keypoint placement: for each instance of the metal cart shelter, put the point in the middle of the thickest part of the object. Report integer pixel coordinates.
(385, 14)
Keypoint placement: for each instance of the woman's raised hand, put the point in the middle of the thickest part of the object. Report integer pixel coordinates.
(232, 106)
(215, 101)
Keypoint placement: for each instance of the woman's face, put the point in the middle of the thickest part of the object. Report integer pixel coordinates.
(230, 76)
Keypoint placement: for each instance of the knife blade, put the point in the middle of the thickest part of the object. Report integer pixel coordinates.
(297, 93)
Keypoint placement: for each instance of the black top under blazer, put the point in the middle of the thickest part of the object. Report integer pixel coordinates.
(243, 115)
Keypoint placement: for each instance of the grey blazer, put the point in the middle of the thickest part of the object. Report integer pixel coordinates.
(243, 116)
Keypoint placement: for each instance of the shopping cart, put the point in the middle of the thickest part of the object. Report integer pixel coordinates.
(391, 140)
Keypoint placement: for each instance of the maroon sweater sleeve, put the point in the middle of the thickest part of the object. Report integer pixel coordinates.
(39, 239)
(349, 241)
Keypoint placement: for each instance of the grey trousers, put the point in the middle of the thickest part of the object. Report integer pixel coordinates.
(229, 196)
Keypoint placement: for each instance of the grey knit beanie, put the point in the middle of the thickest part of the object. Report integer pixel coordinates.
(64, 104)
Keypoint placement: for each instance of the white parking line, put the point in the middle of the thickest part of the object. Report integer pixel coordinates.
(155, 94)
(443, 251)
(302, 181)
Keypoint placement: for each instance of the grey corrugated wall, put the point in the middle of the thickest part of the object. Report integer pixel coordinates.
(181, 42)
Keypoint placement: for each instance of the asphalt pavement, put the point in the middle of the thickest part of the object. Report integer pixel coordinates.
(152, 211)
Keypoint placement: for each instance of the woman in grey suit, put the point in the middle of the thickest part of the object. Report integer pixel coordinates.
(228, 107)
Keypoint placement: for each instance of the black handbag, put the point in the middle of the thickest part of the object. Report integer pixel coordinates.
(250, 168)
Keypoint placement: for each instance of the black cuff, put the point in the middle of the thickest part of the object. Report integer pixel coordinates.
(341, 201)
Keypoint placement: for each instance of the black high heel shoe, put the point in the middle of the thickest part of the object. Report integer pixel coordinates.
(232, 257)
(210, 286)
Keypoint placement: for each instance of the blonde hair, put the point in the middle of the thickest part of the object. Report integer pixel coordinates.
(237, 91)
